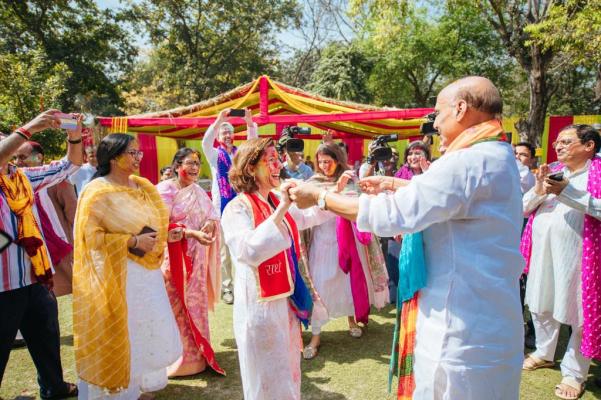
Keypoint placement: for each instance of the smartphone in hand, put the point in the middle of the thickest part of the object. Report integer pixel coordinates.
(237, 112)
(557, 176)
(68, 121)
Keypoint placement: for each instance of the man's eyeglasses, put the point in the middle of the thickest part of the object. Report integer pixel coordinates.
(564, 143)
(135, 153)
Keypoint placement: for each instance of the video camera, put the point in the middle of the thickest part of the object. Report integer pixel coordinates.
(380, 151)
(288, 141)
(427, 128)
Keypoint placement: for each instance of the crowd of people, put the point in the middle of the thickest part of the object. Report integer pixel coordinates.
(290, 244)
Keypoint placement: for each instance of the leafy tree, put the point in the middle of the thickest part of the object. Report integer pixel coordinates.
(27, 83)
(418, 50)
(573, 31)
(92, 43)
(202, 48)
(342, 73)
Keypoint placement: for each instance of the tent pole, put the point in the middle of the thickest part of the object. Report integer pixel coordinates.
(264, 99)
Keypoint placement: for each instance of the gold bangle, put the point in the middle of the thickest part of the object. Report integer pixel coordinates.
(392, 179)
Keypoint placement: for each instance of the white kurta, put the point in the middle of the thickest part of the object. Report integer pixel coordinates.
(267, 333)
(554, 279)
(331, 283)
(153, 336)
(469, 326)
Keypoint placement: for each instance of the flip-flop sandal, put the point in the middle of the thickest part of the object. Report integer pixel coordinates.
(355, 332)
(532, 363)
(571, 383)
(310, 352)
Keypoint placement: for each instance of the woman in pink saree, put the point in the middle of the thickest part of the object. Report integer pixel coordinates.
(192, 263)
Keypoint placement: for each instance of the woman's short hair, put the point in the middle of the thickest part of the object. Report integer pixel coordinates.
(418, 144)
(180, 156)
(248, 155)
(111, 147)
(586, 133)
(337, 153)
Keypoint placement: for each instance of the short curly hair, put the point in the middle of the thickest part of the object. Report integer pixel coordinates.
(249, 154)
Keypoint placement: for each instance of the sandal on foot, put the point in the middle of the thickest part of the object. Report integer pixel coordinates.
(355, 332)
(310, 352)
(571, 384)
(532, 363)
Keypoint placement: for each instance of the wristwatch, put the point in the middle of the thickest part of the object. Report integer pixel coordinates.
(321, 200)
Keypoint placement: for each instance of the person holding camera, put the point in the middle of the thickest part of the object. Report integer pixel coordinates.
(26, 300)
(220, 161)
(563, 255)
(467, 323)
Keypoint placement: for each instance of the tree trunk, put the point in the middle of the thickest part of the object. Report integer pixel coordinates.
(531, 129)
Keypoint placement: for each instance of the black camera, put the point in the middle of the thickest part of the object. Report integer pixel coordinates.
(288, 141)
(380, 151)
(427, 128)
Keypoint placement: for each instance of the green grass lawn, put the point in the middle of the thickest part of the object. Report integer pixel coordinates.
(346, 368)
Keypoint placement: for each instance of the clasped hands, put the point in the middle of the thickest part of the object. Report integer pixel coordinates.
(545, 185)
(205, 236)
(305, 195)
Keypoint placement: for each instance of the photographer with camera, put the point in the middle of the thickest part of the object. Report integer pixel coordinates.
(220, 160)
(379, 158)
(292, 149)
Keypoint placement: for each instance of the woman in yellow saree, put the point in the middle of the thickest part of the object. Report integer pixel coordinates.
(125, 334)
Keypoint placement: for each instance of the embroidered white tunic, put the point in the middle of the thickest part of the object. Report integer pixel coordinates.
(554, 279)
(268, 334)
(469, 326)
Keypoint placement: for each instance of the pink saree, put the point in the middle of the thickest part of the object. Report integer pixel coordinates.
(191, 207)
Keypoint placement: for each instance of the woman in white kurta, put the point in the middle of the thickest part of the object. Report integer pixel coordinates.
(554, 289)
(125, 335)
(267, 332)
(332, 284)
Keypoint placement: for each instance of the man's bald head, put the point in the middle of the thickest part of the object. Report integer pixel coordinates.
(465, 103)
(478, 92)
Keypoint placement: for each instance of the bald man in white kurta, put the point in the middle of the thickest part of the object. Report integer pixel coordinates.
(469, 338)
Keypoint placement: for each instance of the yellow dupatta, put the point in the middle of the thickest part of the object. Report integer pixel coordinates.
(19, 196)
(107, 216)
(491, 130)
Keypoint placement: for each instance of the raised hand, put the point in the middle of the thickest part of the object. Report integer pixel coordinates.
(375, 184)
(248, 116)
(424, 164)
(305, 195)
(45, 120)
(346, 176)
(285, 190)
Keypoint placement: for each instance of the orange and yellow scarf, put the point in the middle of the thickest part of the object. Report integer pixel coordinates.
(20, 199)
(488, 131)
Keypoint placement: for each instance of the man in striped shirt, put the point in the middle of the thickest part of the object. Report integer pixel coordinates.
(27, 304)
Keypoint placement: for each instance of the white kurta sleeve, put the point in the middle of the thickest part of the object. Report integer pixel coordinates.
(531, 200)
(309, 217)
(439, 194)
(207, 145)
(252, 131)
(580, 200)
(250, 245)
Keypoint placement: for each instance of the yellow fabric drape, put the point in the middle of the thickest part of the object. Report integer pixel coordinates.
(20, 199)
(107, 216)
